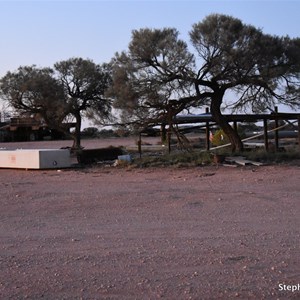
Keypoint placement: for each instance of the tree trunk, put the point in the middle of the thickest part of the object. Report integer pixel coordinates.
(77, 133)
(236, 143)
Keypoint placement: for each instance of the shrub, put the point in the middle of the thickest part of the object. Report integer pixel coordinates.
(179, 159)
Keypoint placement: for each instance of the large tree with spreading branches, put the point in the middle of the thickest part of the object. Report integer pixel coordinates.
(35, 90)
(73, 89)
(144, 78)
(84, 84)
(259, 69)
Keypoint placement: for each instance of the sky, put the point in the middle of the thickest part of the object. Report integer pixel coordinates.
(44, 32)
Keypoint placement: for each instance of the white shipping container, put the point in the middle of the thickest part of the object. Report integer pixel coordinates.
(35, 158)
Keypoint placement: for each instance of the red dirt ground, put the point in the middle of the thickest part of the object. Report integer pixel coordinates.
(127, 233)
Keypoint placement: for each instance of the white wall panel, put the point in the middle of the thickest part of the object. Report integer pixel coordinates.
(35, 159)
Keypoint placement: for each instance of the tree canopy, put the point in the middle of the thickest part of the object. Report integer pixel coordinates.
(84, 84)
(262, 70)
(35, 90)
(73, 88)
(150, 74)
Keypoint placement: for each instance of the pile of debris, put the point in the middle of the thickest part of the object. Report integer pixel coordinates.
(233, 161)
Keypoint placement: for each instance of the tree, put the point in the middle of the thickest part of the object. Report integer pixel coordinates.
(150, 75)
(229, 56)
(84, 85)
(261, 69)
(35, 90)
(76, 87)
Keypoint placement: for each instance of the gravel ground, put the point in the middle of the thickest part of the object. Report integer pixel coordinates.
(171, 233)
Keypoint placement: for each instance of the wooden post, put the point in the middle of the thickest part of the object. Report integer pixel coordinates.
(170, 122)
(140, 144)
(169, 141)
(276, 135)
(266, 135)
(235, 126)
(207, 131)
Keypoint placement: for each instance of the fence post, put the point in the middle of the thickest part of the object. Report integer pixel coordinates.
(276, 131)
(266, 135)
(207, 129)
(140, 144)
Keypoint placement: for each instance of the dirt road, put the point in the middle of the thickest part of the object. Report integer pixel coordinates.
(110, 233)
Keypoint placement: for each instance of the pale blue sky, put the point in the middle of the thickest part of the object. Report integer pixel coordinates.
(44, 32)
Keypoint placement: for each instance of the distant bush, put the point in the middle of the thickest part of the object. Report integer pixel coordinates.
(90, 132)
(93, 132)
(107, 133)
